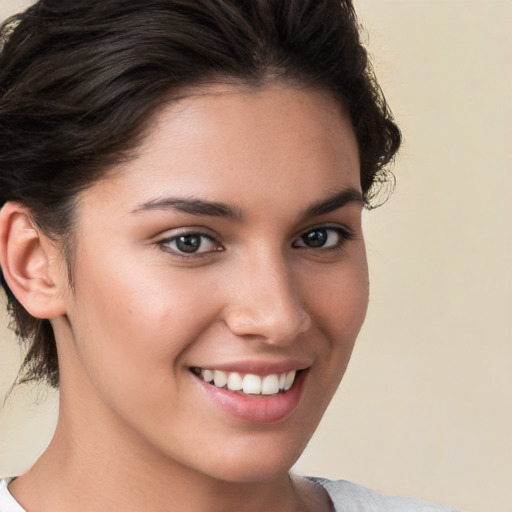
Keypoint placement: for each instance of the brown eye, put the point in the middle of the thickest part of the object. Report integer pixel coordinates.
(323, 238)
(190, 243)
(316, 238)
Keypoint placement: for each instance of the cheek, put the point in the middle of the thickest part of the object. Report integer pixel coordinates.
(340, 299)
(137, 319)
(339, 307)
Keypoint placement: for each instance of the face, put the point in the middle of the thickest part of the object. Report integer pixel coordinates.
(229, 249)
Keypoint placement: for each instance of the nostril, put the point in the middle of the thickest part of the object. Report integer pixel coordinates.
(275, 324)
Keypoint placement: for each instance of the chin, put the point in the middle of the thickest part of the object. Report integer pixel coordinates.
(262, 462)
(247, 471)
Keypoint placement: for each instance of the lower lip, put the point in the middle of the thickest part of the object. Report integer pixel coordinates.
(258, 408)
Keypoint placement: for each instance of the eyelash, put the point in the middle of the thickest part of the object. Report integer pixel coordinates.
(164, 244)
(343, 233)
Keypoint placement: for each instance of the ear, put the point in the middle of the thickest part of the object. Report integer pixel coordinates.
(30, 263)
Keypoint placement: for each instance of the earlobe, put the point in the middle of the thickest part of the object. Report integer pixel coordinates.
(29, 263)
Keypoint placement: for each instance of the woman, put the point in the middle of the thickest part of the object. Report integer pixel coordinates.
(180, 242)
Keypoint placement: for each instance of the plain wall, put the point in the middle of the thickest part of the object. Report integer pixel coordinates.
(426, 406)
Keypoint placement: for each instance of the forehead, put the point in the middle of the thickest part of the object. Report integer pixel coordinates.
(234, 143)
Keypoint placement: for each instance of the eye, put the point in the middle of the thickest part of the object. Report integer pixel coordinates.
(324, 238)
(190, 243)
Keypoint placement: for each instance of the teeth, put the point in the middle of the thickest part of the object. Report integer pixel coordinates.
(235, 381)
(290, 377)
(249, 383)
(252, 384)
(220, 378)
(270, 385)
(208, 375)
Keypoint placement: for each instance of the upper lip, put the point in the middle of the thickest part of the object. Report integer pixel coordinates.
(257, 367)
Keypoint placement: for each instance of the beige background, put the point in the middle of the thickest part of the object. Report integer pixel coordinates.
(426, 406)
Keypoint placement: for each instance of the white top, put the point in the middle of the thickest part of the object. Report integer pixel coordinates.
(7, 502)
(347, 497)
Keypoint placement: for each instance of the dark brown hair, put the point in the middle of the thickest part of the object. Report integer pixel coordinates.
(78, 81)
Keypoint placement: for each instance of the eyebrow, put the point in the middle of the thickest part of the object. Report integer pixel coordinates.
(192, 206)
(338, 200)
(204, 207)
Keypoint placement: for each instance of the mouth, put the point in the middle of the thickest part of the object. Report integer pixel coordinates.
(249, 392)
(248, 384)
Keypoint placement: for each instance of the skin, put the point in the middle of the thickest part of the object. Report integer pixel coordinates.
(134, 423)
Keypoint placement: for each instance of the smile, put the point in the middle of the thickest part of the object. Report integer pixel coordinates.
(248, 384)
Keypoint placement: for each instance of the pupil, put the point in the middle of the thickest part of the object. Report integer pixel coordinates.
(188, 243)
(315, 238)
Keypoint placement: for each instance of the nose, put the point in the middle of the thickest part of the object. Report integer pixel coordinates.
(265, 303)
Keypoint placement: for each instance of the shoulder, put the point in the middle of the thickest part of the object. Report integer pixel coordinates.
(349, 497)
(7, 502)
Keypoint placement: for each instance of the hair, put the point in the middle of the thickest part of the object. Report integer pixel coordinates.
(79, 82)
